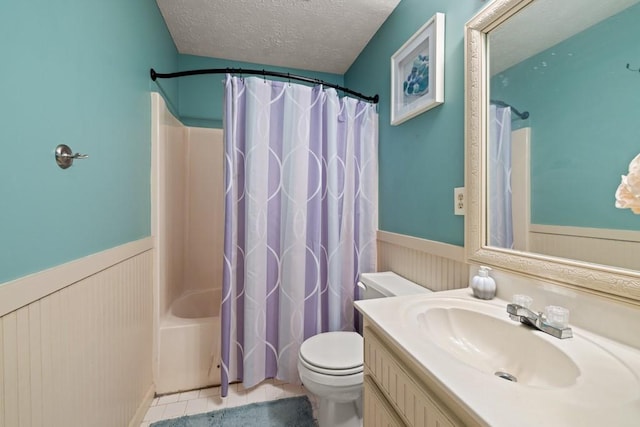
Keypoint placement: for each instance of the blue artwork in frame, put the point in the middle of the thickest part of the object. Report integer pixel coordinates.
(417, 72)
(416, 83)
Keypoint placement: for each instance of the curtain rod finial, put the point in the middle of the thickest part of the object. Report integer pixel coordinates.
(153, 75)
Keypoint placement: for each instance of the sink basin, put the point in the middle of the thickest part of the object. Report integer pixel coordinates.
(498, 346)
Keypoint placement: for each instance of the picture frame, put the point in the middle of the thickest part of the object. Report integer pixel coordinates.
(417, 72)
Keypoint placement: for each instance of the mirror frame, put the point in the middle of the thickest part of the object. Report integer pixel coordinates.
(606, 281)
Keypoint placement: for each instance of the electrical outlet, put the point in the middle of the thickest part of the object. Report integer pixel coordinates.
(458, 201)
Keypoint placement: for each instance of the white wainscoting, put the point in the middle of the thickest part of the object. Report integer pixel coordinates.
(434, 265)
(79, 354)
(618, 248)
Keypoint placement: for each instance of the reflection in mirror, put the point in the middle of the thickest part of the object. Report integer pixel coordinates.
(564, 123)
(553, 148)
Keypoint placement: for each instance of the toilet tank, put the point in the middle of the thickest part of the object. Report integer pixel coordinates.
(387, 284)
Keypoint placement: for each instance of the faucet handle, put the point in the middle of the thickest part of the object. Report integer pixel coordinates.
(522, 300)
(556, 316)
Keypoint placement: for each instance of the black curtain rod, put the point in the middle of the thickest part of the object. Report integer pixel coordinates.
(154, 75)
(524, 115)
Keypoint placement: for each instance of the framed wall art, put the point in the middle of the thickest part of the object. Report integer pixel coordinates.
(417, 72)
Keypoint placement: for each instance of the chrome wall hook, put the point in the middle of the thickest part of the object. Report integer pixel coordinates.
(65, 156)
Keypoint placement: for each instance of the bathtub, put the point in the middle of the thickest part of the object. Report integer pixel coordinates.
(189, 343)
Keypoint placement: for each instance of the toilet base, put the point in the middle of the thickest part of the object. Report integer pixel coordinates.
(339, 414)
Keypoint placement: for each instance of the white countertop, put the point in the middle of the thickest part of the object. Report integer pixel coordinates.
(606, 392)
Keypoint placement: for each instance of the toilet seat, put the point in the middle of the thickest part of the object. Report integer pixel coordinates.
(333, 353)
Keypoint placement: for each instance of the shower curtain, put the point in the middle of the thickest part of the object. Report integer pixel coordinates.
(300, 221)
(499, 167)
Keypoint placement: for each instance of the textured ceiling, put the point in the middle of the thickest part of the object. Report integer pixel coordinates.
(545, 23)
(318, 35)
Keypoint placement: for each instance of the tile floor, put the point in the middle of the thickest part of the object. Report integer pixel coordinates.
(208, 399)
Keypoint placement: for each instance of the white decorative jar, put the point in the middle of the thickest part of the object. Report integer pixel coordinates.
(483, 285)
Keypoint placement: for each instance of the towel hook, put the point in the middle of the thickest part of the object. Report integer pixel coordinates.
(65, 156)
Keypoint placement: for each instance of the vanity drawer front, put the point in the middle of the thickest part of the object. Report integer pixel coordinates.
(377, 411)
(411, 400)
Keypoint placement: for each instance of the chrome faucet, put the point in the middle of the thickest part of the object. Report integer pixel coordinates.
(539, 321)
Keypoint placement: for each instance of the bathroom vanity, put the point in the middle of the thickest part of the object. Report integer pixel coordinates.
(398, 390)
(450, 359)
(394, 394)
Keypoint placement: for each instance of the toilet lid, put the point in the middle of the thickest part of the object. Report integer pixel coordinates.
(333, 353)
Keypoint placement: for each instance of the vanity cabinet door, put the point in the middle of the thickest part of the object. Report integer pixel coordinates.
(411, 401)
(377, 411)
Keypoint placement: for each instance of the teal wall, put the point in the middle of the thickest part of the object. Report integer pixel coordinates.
(76, 72)
(421, 160)
(201, 97)
(95, 98)
(576, 156)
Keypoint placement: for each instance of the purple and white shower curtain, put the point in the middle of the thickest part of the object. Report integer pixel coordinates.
(301, 209)
(499, 167)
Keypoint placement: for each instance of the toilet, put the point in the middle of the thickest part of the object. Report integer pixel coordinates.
(331, 364)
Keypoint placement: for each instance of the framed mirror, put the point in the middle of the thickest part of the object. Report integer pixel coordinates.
(551, 114)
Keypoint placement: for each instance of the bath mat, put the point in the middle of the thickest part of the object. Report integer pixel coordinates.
(292, 412)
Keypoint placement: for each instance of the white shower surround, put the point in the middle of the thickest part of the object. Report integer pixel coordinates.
(189, 351)
(187, 221)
